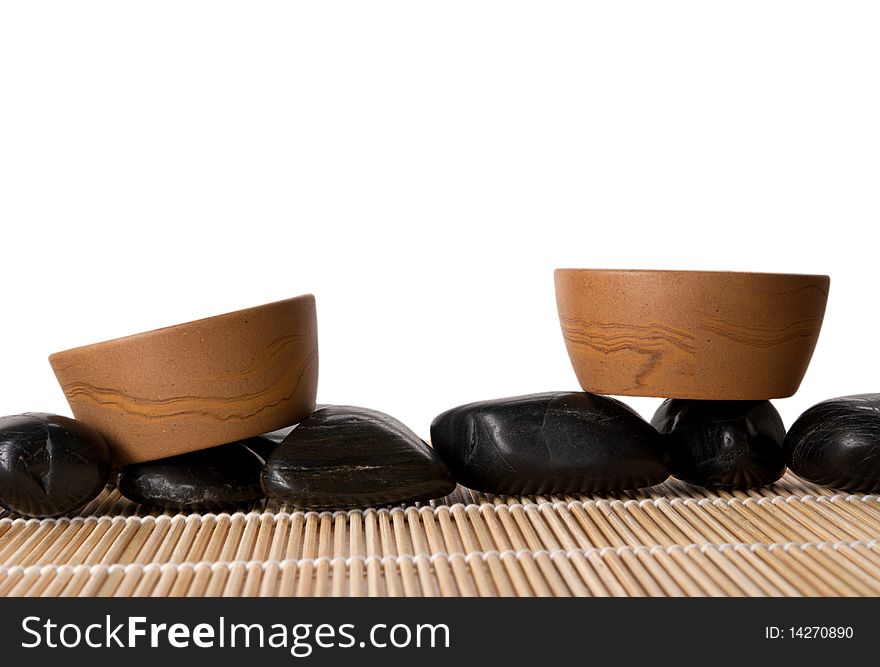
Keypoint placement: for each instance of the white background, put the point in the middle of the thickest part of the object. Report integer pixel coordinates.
(422, 167)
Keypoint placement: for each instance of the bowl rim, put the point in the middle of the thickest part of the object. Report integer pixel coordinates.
(160, 331)
(697, 272)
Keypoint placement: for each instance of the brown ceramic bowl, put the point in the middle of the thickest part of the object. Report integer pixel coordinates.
(690, 334)
(199, 384)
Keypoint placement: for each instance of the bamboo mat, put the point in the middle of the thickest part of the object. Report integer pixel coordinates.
(789, 539)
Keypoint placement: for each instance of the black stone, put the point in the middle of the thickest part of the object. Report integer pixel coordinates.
(215, 479)
(723, 444)
(836, 443)
(343, 456)
(560, 442)
(50, 465)
(266, 443)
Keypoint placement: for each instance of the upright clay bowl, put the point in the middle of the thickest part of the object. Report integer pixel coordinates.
(196, 385)
(708, 335)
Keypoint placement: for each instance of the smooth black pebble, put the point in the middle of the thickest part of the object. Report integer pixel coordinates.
(723, 444)
(559, 442)
(50, 465)
(836, 443)
(265, 444)
(213, 479)
(344, 456)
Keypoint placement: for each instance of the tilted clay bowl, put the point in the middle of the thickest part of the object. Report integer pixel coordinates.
(199, 384)
(690, 334)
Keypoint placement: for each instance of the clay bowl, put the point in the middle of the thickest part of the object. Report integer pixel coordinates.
(199, 384)
(690, 334)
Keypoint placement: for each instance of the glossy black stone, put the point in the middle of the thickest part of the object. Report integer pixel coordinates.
(723, 444)
(836, 443)
(559, 442)
(215, 479)
(266, 443)
(343, 456)
(49, 465)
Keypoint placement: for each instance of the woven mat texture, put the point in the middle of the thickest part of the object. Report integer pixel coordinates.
(789, 539)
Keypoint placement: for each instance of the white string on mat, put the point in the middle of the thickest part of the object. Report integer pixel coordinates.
(467, 556)
(495, 507)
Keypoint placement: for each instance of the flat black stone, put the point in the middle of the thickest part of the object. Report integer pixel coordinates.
(836, 443)
(343, 456)
(559, 442)
(723, 444)
(50, 465)
(215, 479)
